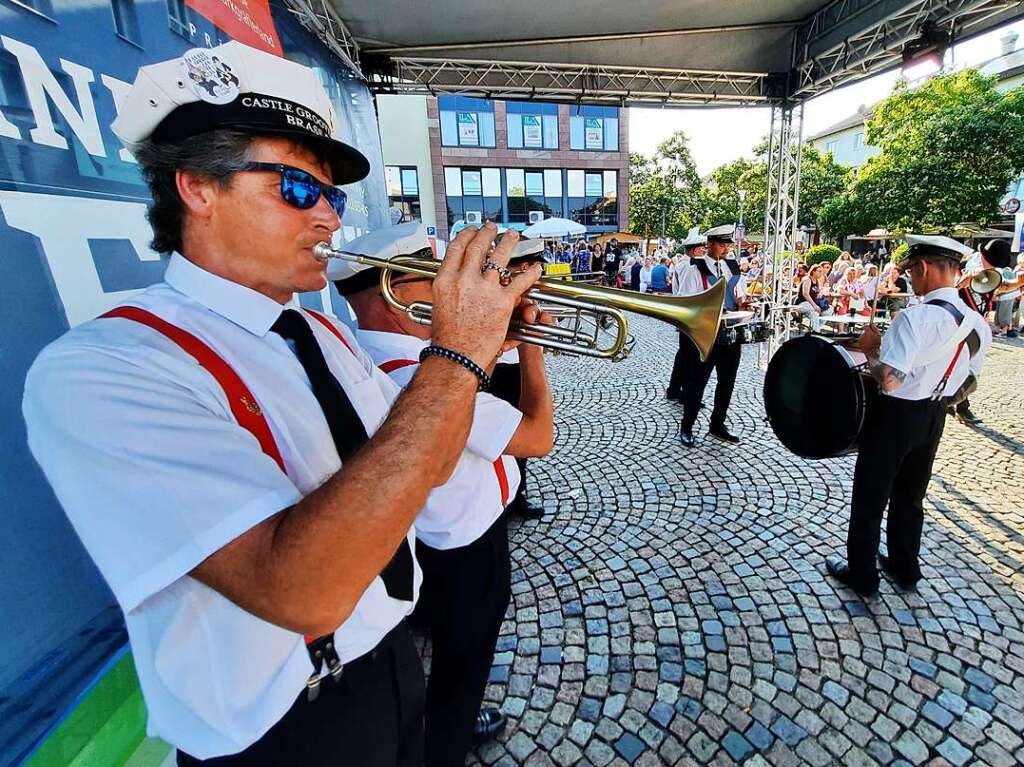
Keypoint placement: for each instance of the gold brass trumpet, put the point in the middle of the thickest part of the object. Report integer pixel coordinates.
(589, 312)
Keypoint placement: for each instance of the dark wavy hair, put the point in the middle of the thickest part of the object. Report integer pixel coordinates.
(216, 155)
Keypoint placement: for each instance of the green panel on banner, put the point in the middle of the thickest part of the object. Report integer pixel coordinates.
(105, 729)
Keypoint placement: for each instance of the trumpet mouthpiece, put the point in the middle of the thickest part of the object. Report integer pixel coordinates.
(322, 251)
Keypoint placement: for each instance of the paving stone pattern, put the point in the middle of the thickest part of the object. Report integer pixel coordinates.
(672, 608)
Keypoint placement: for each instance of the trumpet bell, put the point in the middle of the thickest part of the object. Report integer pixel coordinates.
(986, 281)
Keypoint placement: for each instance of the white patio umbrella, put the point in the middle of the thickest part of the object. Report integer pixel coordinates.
(553, 227)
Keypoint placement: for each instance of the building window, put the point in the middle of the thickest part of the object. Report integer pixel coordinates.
(831, 147)
(593, 197)
(531, 125)
(594, 128)
(531, 190)
(858, 140)
(466, 121)
(177, 18)
(473, 195)
(126, 22)
(403, 191)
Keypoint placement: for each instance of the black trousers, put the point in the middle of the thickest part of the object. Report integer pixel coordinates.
(506, 385)
(372, 716)
(693, 377)
(894, 464)
(465, 594)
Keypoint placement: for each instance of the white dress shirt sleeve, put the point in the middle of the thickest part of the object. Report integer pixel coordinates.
(900, 344)
(494, 424)
(155, 476)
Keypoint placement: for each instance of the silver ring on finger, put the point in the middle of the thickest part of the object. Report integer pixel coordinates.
(505, 277)
(489, 264)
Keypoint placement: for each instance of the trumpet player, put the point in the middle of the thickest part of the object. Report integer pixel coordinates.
(242, 474)
(993, 255)
(461, 534)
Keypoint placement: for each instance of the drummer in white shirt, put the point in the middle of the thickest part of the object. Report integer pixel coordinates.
(462, 539)
(930, 356)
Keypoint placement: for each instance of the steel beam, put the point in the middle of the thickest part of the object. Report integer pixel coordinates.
(320, 18)
(823, 62)
(597, 84)
(785, 152)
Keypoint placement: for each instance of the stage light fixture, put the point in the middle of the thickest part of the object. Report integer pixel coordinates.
(923, 56)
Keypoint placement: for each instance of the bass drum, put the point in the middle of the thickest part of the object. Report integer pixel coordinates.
(817, 397)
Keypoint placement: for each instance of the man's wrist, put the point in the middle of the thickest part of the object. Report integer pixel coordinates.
(455, 376)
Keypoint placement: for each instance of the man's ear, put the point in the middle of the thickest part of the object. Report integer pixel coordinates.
(197, 193)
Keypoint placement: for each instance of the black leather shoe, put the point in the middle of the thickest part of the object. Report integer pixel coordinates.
(489, 722)
(966, 416)
(839, 570)
(900, 579)
(527, 510)
(723, 434)
(686, 437)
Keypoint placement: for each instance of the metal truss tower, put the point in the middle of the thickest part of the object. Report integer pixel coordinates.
(785, 152)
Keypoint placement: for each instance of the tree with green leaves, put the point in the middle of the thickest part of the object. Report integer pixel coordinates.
(950, 147)
(665, 188)
(821, 179)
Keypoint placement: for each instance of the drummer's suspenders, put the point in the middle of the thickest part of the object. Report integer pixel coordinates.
(249, 416)
(971, 340)
(705, 275)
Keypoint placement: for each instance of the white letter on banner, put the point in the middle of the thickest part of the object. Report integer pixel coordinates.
(8, 129)
(66, 243)
(40, 83)
(118, 90)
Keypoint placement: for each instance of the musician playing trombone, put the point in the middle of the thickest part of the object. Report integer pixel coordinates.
(930, 356)
(462, 539)
(240, 471)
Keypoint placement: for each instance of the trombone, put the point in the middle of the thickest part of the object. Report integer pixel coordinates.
(591, 312)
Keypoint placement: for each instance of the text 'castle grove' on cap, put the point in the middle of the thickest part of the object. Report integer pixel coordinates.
(235, 86)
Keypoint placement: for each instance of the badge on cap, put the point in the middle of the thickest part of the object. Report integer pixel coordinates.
(210, 77)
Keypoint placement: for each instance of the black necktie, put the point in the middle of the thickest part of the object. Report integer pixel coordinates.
(347, 430)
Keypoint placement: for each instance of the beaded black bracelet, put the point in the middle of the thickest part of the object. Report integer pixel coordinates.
(483, 380)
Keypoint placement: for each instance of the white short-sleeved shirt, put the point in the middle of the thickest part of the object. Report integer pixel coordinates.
(141, 448)
(692, 282)
(923, 327)
(484, 481)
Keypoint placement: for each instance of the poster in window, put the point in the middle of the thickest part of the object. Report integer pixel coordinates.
(469, 131)
(532, 138)
(593, 133)
(594, 187)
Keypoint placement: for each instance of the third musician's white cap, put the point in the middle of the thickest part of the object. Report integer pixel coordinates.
(694, 238)
(409, 239)
(919, 245)
(722, 233)
(235, 86)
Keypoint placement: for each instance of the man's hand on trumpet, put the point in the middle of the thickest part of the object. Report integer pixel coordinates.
(475, 294)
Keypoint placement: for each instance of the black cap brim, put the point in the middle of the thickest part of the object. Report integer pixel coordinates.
(267, 116)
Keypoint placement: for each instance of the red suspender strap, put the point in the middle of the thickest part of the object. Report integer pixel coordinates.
(329, 325)
(243, 404)
(499, 472)
(392, 365)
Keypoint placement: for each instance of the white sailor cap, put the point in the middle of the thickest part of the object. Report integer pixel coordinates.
(409, 239)
(235, 86)
(934, 245)
(694, 238)
(722, 233)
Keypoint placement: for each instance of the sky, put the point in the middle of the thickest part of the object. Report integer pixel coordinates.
(719, 136)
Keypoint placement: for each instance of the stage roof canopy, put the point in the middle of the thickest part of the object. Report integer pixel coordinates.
(636, 52)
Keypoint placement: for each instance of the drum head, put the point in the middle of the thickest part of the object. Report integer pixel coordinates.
(814, 398)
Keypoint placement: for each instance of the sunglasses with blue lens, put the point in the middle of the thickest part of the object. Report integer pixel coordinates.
(300, 189)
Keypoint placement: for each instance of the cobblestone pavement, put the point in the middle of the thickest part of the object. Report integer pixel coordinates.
(671, 607)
